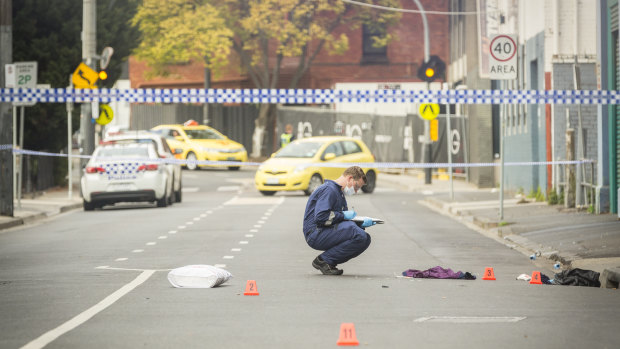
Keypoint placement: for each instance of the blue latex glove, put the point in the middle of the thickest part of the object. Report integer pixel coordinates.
(348, 215)
(368, 222)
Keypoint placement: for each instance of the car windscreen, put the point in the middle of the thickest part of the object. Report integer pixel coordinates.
(203, 134)
(136, 151)
(299, 150)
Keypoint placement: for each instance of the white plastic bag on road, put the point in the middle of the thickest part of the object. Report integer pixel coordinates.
(198, 276)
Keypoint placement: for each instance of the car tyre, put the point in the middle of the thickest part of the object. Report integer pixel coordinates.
(163, 202)
(267, 192)
(315, 181)
(178, 195)
(191, 158)
(88, 206)
(234, 168)
(371, 182)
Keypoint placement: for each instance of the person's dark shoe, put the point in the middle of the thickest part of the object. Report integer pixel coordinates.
(325, 268)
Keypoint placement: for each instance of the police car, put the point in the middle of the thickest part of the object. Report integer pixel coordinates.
(126, 172)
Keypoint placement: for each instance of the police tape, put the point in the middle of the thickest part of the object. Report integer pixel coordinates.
(383, 165)
(310, 96)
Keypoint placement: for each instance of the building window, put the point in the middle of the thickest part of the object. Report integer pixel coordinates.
(370, 53)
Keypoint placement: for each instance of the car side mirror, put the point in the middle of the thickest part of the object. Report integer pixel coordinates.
(329, 156)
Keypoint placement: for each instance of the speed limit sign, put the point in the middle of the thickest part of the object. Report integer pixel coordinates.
(503, 57)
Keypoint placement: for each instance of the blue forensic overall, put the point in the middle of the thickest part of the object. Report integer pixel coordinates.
(325, 228)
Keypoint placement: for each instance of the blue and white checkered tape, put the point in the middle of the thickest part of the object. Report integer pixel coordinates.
(310, 96)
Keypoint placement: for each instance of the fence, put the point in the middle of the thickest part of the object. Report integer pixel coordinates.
(40, 173)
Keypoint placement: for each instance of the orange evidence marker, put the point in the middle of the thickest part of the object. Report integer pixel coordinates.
(536, 278)
(251, 289)
(488, 274)
(347, 335)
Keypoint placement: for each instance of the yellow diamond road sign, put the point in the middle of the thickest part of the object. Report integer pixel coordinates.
(84, 77)
(106, 114)
(429, 111)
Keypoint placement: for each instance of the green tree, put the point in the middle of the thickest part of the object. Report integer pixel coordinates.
(49, 32)
(260, 32)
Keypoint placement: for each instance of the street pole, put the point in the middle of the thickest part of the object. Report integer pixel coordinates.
(20, 174)
(449, 140)
(69, 144)
(89, 47)
(205, 107)
(426, 146)
(6, 125)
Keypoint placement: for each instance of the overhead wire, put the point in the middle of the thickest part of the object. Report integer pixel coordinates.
(449, 13)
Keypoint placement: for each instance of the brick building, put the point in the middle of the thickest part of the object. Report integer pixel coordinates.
(398, 62)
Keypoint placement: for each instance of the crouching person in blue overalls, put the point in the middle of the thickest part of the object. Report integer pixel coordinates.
(328, 226)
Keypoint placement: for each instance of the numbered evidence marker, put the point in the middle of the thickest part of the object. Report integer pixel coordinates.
(429, 111)
(251, 289)
(347, 335)
(106, 114)
(84, 77)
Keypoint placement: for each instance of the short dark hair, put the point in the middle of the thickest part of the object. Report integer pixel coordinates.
(356, 172)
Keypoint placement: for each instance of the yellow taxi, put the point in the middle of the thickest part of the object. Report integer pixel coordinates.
(194, 142)
(299, 165)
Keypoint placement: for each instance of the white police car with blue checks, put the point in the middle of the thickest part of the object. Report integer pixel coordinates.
(131, 172)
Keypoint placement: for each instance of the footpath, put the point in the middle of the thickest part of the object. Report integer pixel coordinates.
(547, 233)
(553, 234)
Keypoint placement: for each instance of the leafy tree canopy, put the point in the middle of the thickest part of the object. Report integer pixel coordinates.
(49, 32)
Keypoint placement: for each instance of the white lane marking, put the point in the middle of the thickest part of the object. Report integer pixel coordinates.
(427, 192)
(137, 251)
(243, 242)
(257, 225)
(253, 230)
(267, 213)
(189, 189)
(264, 218)
(220, 265)
(203, 215)
(249, 235)
(162, 237)
(228, 188)
(470, 319)
(228, 257)
(81, 318)
(181, 227)
(209, 212)
(130, 269)
(197, 219)
(121, 259)
(235, 249)
(261, 222)
(189, 223)
(254, 201)
(102, 267)
(152, 243)
(172, 232)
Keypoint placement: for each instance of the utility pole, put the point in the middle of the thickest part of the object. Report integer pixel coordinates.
(6, 116)
(426, 148)
(89, 53)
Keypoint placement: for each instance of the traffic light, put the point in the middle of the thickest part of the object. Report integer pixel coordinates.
(433, 69)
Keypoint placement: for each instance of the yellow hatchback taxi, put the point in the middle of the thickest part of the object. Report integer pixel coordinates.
(297, 166)
(193, 142)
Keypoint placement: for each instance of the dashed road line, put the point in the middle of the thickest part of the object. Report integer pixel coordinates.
(137, 251)
(121, 259)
